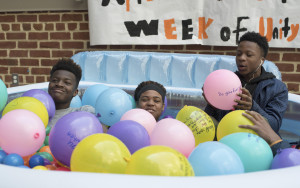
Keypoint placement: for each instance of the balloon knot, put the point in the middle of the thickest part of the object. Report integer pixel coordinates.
(36, 135)
(98, 115)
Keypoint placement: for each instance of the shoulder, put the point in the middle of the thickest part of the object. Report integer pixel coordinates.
(86, 108)
(274, 83)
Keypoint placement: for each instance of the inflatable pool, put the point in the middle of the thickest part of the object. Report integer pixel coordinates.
(183, 75)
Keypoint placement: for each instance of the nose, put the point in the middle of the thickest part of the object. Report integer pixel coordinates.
(241, 57)
(150, 103)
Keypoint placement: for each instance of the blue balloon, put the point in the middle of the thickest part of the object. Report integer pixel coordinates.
(13, 159)
(76, 102)
(36, 160)
(132, 101)
(3, 95)
(286, 158)
(92, 93)
(2, 156)
(254, 151)
(23, 166)
(214, 158)
(111, 105)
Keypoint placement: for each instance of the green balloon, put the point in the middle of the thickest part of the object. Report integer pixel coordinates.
(3, 95)
(46, 142)
(45, 155)
(48, 129)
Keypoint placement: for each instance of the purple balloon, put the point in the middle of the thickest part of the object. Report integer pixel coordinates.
(166, 105)
(131, 133)
(168, 116)
(46, 162)
(286, 158)
(68, 131)
(44, 97)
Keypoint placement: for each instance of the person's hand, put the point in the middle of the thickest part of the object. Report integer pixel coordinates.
(261, 127)
(245, 103)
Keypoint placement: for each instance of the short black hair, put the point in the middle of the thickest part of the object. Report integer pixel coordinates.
(261, 41)
(146, 83)
(68, 65)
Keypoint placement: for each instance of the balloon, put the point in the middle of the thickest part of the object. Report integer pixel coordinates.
(132, 101)
(159, 160)
(62, 169)
(230, 124)
(221, 88)
(36, 160)
(92, 93)
(13, 160)
(214, 158)
(141, 116)
(40, 168)
(100, 153)
(76, 102)
(175, 134)
(286, 158)
(28, 103)
(21, 132)
(3, 95)
(46, 149)
(68, 131)
(166, 105)
(2, 156)
(111, 105)
(45, 155)
(199, 122)
(131, 133)
(44, 97)
(254, 151)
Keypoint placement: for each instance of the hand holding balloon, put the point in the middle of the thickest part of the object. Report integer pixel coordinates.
(245, 103)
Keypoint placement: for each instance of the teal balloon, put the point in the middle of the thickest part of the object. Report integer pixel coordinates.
(91, 94)
(214, 158)
(76, 102)
(254, 151)
(111, 105)
(3, 95)
(132, 101)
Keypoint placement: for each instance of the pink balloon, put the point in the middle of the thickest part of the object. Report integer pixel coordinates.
(175, 134)
(220, 89)
(21, 132)
(141, 116)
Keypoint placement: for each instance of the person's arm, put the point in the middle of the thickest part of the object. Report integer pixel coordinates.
(265, 131)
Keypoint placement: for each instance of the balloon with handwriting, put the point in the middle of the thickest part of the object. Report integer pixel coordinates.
(221, 88)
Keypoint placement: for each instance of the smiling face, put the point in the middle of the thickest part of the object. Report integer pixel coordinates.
(151, 101)
(248, 59)
(62, 88)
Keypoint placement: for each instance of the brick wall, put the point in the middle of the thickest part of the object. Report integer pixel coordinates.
(31, 42)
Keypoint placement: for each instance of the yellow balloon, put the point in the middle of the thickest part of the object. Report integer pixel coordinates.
(40, 168)
(159, 160)
(199, 122)
(100, 153)
(230, 124)
(28, 103)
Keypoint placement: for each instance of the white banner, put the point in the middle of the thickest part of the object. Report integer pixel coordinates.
(206, 22)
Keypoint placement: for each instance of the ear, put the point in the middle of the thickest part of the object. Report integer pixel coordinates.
(75, 92)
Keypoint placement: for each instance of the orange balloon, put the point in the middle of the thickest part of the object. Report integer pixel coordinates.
(26, 159)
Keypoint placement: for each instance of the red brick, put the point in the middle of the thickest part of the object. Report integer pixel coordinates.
(49, 27)
(7, 18)
(49, 18)
(38, 27)
(3, 70)
(26, 27)
(27, 44)
(298, 68)
(8, 78)
(60, 27)
(282, 49)
(83, 26)
(71, 17)
(273, 57)
(72, 26)
(86, 17)
(19, 70)
(5, 45)
(5, 27)
(29, 79)
(48, 62)
(72, 45)
(225, 48)
(18, 53)
(291, 77)
(27, 18)
(198, 47)
(18, 35)
(185, 52)
(29, 62)
(213, 53)
(49, 45)
(38, 36)
(62, 53)
(2, 36)
(118, 47)
(96, 46)
(40, 71)
(81, 36)
(3, 53)
(285, 67)
(16, 27)
(291, 57)
(230, 53)
(39, 53)
(40, 79)
(60, 35)
(146, 47)
(293, 87)
(9, 62)
(171, 47)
